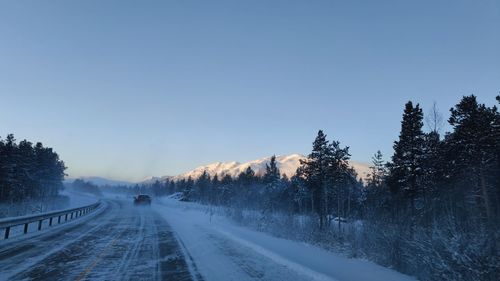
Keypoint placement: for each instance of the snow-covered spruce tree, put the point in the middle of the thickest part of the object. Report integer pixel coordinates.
(406, 168)
(313, 171)
(203, 187)
(375, 195)
(340, 183)
(286, 195)
(405, 183)
(273, 186)
(244, 193)
(300, 194)
(26, 184)
(473, 148)
(326, 174)
(188, 193)
(215, 187)
(49, 169)
(272, 174)
(378, 171)
(225, 190)
(8, 157)
(465, 214)
(432, 177)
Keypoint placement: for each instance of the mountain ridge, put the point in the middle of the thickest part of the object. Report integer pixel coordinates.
(287, 164)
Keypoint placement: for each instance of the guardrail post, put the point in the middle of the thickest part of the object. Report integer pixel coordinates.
(66, 217)
(50, 221)
(40, 224)
(26, 228)
(58, 219)
(7, 232)
(71, 216)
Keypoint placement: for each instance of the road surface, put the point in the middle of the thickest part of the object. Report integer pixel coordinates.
(121, 242)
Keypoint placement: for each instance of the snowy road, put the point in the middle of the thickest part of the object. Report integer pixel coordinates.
(172, 240)
(121, 242)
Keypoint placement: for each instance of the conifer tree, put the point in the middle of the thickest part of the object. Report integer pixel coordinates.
(188, 192)
(339, 183)
(325, 172)
(378, 171)
(27, 171)
(203, 186)
(406, 167)
(215, 180)
(432, 163)
(247, 177)
(9, 158)
(313, 171)
(215, 190)
(473, 148)
(272, 185)
(226, 190)
(272, 174)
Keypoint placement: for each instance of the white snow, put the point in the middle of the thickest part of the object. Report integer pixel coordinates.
(78, 199)
(287, 164)
(223, 251)
(16, 232)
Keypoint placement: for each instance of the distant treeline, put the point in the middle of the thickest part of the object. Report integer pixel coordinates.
(28, 171)
(86, 186)
(433, 211)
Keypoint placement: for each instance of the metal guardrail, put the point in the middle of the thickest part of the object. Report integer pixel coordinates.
(6, 224)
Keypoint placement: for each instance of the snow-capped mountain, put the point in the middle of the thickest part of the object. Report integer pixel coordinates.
(287, 164)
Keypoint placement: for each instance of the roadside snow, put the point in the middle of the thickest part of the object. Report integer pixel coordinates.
(224, 251)
(78, 199)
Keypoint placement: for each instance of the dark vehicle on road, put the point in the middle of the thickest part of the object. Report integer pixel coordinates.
(142, 199)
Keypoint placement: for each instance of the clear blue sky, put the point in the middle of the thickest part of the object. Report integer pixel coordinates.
(129, 89)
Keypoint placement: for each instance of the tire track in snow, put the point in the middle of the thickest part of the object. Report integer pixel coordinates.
(132, 250)
(66, 260)
(123, 243)
(175, 262)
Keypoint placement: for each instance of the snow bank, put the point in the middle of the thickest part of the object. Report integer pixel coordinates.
(67, 199)
(224, 251)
